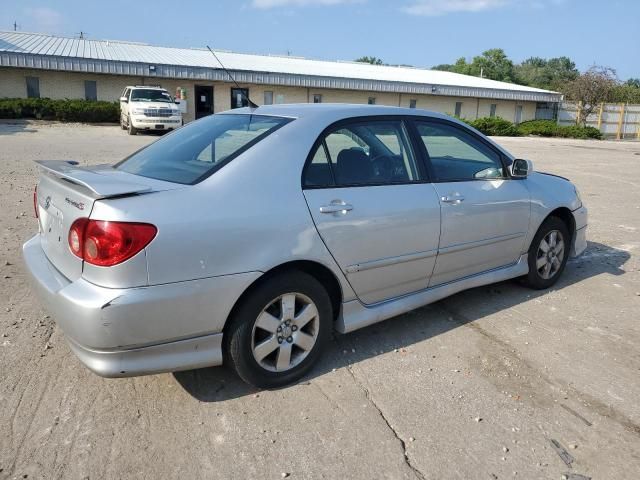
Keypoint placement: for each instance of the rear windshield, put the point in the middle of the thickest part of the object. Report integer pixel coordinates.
(198, 149)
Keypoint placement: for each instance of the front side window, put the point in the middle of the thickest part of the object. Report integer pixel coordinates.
(363, 153)
(456, 155)
(150, 95)
(198, 149)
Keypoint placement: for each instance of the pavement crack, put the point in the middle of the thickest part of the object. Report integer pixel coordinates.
(403, 445)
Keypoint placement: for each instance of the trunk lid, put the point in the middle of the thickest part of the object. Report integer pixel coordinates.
(67, 192)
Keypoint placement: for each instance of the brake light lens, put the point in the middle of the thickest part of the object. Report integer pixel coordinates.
(35, 200)
(105, 243)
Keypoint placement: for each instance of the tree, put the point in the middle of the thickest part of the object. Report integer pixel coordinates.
(633, 82)
(590, 89)
(493, 64)
(371, 60)
(550, 74)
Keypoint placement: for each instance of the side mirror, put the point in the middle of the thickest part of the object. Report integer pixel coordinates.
(521, 168)
(124, 99)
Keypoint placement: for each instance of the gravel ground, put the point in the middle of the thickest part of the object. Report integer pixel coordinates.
(475, 386)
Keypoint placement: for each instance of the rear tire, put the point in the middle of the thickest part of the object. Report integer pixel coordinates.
(279, 330)
(131, 130)
(548, 254)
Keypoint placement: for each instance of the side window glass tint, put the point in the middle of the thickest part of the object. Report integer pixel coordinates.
(456, 155)
(318, 172)
(366, 153)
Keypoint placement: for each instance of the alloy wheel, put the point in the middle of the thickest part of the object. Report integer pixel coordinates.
(550, 254)
(285, 332)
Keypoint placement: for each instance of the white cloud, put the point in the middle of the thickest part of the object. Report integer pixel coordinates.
(43, 19)
(298, 3)
(442, 7)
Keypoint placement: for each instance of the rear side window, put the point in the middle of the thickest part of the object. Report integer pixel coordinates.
(198, 149)
(373, 152)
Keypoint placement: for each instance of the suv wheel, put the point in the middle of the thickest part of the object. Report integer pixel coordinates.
(548, 254)
(131, 130)
(279, 330)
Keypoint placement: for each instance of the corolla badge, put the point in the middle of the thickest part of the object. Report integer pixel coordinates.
(75, 203)
(47, 203)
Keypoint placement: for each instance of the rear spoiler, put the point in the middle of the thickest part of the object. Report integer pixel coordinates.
(100, 184)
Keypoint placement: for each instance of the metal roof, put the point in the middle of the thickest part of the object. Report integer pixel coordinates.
(34, 50)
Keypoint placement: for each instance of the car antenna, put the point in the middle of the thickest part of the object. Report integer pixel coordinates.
(246, 97)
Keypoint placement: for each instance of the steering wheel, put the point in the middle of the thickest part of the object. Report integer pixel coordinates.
(383, 166)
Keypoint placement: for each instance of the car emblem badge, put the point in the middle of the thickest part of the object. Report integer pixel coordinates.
(47, 203)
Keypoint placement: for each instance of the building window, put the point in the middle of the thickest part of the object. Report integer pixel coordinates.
(412, 103)
(268, 97)
(90, 90)
(372, 101)
(279, 98)
(317, 98)
(492, 110)
(239, 97)
(33, 87)
(458, 111)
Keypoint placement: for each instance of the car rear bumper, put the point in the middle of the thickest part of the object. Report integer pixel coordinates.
(137, 331)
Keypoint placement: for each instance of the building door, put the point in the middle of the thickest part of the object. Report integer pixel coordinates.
(204, 100)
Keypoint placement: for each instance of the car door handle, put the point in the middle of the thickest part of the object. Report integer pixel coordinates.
(453, 199)
(336, 206)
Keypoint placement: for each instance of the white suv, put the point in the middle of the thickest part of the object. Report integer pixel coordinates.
(145, 107)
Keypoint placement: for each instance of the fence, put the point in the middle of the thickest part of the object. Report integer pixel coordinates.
(614, 120)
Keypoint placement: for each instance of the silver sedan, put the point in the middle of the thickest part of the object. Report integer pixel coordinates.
(247, 236)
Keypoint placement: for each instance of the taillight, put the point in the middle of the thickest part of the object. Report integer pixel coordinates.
(107, 243)
(35, 200)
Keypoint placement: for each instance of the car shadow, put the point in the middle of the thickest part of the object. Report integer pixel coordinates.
(11, 127)
(216, 384)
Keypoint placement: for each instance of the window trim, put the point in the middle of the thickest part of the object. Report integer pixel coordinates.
(422, 148)
(424, 175)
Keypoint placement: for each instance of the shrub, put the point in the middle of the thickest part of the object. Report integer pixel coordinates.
(576, 131)
(495, 126)
(544, 128)
(64, 110)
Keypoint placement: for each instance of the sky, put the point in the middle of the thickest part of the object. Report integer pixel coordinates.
(422, 33)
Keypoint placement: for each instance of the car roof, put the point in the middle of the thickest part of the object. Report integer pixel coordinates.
(147, 87)
(336, 110)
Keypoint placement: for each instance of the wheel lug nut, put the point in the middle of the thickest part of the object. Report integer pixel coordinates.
(279, 339)
(279, 329)
(294, 328)
(289, 339)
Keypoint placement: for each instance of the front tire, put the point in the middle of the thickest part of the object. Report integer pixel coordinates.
(279, 330)
(131, 130)
(548, 254)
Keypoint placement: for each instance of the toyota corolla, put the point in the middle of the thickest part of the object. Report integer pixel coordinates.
(248, 236)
